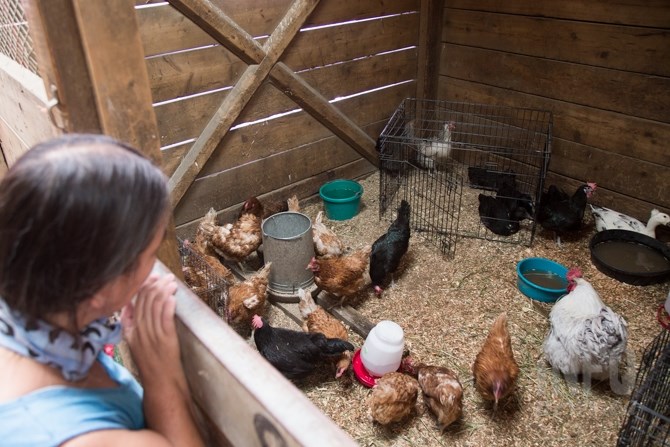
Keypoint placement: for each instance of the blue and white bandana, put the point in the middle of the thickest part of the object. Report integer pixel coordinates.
(53, 346)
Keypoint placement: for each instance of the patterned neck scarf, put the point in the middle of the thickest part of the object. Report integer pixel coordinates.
(55, 347)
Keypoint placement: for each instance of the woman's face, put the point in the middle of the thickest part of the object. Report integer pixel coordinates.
(121, 290)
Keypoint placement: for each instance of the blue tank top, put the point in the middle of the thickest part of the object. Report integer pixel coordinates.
(55, 414)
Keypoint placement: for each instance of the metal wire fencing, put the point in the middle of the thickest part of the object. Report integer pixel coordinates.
(15, 41)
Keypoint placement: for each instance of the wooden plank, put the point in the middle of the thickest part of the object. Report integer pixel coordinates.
(611, 46)
(57, 44)
(243, 395)
(181, 120)
(614, 132)
(619, 173)
(354, 319)
(430, 32)
(633, 94)
(652, 13)
(22, 110)
(197, 71)
(260, 140)
(304, 188)
(120, 85)
(232, 106)
(165, 29)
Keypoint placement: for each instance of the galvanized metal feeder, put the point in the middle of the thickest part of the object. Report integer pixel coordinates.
(288, 244)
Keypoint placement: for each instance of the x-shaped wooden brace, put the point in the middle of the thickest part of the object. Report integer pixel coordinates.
(263, 63)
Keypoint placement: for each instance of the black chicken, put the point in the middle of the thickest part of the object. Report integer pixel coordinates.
(496, 215)
(516, 199)
(389, 248)
(561, 213)
(295, 354)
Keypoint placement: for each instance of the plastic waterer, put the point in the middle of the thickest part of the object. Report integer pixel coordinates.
(382, 351)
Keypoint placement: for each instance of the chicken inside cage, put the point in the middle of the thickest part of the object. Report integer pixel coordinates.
(442, 156)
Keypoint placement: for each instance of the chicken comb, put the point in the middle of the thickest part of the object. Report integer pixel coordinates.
(257, 322)
(573, 273)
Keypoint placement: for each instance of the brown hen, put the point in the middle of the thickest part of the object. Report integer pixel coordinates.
(342, 276)
(248, 297)
(326, 242)
(236, 241)
(271, 207)
(443, 392)
(495, 370)
(220, 270)
(316, 319)
(393, 398)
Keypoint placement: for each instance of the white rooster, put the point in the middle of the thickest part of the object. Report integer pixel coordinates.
(433, 149)
(585, 336)
(607, 219)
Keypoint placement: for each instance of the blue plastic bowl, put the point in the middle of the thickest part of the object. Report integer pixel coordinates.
(341, 198)
(544, 268)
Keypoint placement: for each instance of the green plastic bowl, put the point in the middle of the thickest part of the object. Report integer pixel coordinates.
(341, 198)
(541, 266)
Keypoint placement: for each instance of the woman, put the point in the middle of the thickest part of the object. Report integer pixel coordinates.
(81, 219)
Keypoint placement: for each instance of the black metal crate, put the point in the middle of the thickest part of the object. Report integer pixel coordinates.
(486, 145)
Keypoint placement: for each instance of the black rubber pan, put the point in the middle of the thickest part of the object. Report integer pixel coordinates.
(636, 240)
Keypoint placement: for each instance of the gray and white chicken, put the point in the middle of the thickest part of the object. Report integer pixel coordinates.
(585, 336)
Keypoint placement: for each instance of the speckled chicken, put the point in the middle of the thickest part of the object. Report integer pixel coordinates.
(495, 370)
(442, 391)
(248, 297)
(393, 398)
(342, 276)
(316, 319)
(585, 336)
(236, 241)
(326, 242)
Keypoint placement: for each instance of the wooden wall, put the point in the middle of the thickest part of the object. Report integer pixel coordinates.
(370, 46)
(602, 68)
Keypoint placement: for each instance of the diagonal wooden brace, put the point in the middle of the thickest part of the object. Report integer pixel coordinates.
(263, 63)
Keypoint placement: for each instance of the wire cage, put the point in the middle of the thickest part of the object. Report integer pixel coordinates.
(441, 156)
(203, 280)
(647, 420)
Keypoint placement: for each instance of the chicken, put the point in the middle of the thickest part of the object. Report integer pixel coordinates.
(218, 269)
(326, 242)
(490, 179)
(389, 248)
(519, 204)
(203, 232)
(248, 297)
(295, 354)
(607, 219)
(293, 203)
(236, 241)
(585, 336)
(561, 213)
(432, 151)
(442, 391)
(342, 276)
(317, 320)
(496, 216)
(196, 280)
(495, 370)
(393, 398)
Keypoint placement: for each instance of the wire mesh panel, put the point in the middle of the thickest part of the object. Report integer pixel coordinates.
(449, 159)
(648, 417)
(203, 280)
(15, 41)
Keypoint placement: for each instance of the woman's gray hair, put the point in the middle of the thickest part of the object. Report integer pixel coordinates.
(75, 213)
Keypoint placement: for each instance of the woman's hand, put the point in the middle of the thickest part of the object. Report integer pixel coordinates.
(149, 327)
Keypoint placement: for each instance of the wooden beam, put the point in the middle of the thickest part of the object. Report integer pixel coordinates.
(216, 23)
(120, 85)
(253, 77)
(57, 43)
(430, 33)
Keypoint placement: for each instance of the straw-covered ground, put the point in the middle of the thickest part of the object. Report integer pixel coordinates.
(446, 306)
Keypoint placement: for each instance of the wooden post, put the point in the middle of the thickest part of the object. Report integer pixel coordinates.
(430, 37)
(92, 54)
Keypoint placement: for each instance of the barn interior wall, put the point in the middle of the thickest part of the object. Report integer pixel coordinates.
(600, 68)
(362, 58)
